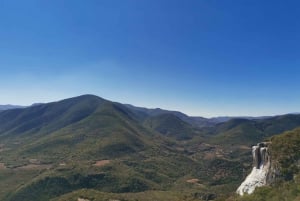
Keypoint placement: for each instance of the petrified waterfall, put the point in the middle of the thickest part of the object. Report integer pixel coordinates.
(261, 168)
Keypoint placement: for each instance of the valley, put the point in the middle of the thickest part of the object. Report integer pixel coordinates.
(90, 148)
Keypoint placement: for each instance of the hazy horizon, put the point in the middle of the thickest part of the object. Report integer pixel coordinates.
(153, 107)
(203, 58)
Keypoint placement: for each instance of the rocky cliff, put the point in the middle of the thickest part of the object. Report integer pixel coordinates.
(261, 173)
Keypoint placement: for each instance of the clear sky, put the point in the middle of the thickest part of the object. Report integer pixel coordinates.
(202, 57)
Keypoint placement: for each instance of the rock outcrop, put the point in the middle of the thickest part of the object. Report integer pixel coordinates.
(261, 172)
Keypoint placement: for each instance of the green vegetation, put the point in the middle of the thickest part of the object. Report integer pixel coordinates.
(92, 148)
(142, 196)
(172, 126)
(285, 153)
(249, 132)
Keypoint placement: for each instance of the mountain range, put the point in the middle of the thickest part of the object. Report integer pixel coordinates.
(90, 148)
(8, 107)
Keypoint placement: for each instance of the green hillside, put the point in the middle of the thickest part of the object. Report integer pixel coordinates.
(244, 131)
(86, 142)
(97, 149)
(171, 125)
(46, 118)
(285, 156)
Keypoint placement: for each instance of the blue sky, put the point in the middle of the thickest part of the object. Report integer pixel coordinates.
(202, 57)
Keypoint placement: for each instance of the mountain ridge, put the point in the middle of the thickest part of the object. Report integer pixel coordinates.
(9, 107)
(87, 142)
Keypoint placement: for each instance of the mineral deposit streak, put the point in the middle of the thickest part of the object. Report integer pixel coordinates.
(260, 171)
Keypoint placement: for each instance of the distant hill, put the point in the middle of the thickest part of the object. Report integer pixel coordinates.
(88, 146)
(227, 118)
(199, 122)
(171, 125)
(74, 137)
(194, 121)
(8, 107)
(47, 117)
(251, 131)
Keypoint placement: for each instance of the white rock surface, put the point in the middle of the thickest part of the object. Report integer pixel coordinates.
(259, 173)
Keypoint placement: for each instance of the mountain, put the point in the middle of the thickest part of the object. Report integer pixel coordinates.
(48, 117)
(199, 122)
(73, 122)
(90, 148)
(85, 142)
(227, 118)
(8, 107)
(194, 121)
(170, 125)
(251, 131)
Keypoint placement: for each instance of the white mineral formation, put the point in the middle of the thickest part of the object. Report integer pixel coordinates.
(261, 168)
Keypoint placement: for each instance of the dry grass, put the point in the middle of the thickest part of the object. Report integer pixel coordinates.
(193, 181)
(101, 163)
(34, 166)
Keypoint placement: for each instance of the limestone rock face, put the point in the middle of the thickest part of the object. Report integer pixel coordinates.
(260, 173)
